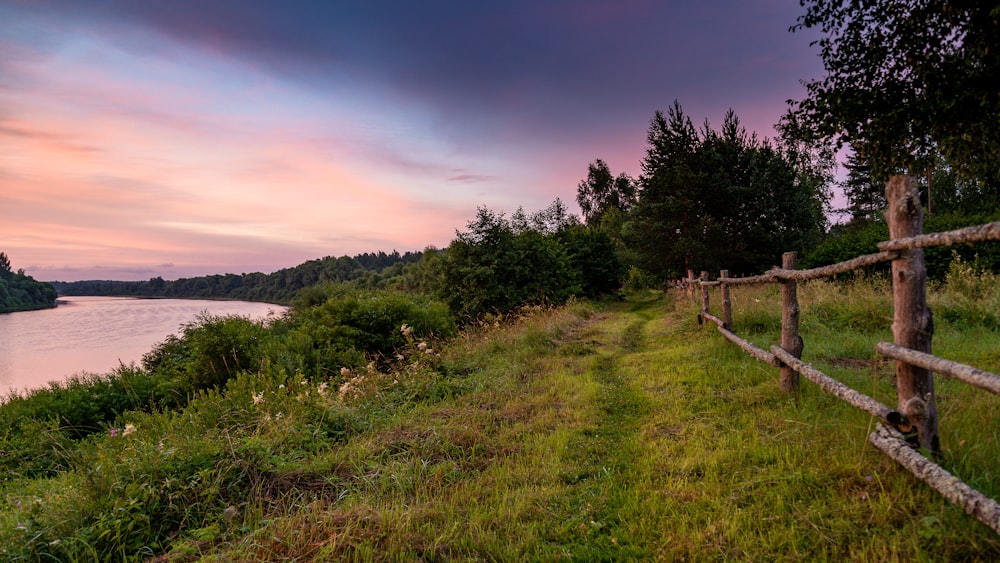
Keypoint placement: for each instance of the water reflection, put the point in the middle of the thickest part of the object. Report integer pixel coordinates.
(96, 334)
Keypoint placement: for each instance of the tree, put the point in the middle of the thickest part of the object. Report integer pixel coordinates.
(5, 269)
(865, 195)
(660, 232)
(493, 267)
(906, 79)
(720, 199)
(601, 192)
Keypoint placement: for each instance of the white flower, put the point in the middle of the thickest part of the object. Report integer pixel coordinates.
(282, 386)
(129, 429)
(346, 372)
(406, 329)
(258, 398)
(422, 346)
(321, 389)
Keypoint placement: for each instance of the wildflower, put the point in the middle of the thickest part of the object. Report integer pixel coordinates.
(258, 398)
(321, 389)
(21, 526)
(406, 329)
(400, 357)
(129, 429)
(159, 447)
(346, 372)
(114, 432)
(422, 346)
(278, 416)
(282, 386)
(429, 351)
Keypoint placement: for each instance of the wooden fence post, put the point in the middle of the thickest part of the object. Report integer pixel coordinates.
(690, 283)
(791, 342)
(912, 325)
(704, 293)
(727, 305)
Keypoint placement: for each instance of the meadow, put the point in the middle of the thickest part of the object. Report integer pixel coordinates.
(595, 431)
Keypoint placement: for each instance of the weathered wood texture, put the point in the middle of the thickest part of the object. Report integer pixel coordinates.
(836, 388)
(727, 304)
(776, 275)
(912, 326)
(975, 503)
(749, 348)
(968, 374)
(746, 345)
(704, 292)
(978, 233)
(791, 342)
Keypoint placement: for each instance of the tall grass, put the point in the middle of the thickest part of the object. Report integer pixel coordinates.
(591, 432)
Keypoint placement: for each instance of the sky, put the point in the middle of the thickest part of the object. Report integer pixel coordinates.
(185, 138)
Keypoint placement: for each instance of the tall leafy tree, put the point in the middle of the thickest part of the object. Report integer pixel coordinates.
(907, 78)
(720, 199)
(601, 191)
(662, 231)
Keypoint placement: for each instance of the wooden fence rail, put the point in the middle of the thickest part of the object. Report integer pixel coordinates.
(914, 420)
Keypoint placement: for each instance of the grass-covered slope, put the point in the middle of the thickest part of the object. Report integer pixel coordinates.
(618, 432)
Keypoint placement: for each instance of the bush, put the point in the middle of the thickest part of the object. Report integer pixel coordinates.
(333, 326)
(209, 352)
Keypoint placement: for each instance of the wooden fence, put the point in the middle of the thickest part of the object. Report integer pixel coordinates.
(914, 420)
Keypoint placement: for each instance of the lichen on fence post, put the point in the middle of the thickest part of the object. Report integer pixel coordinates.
(912, 325)
(791, 342)
(727, 305)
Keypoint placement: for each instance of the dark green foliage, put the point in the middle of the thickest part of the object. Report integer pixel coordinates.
(593, 255)
(333, 326)
(601, 192)
(493, 268)
(714, 200)
(865, 195)
(208, 353)
(20, 292)
(908, 79)
(845, 242)
(35, 426)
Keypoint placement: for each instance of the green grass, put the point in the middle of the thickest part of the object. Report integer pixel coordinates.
(610, 432)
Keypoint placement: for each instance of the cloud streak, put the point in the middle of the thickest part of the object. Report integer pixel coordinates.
(254, 135)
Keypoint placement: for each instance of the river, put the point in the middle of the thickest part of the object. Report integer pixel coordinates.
(95, 334)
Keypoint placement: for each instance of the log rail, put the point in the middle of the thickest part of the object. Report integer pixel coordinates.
(915, 413)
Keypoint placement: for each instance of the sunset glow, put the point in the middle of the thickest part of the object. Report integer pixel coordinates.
(139, 141)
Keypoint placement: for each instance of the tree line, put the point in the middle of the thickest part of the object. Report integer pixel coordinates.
(20, 292)
(277, 287)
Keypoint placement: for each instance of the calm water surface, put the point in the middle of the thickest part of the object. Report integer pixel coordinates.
(95, 334)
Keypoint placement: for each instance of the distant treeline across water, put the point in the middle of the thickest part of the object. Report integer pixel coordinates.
(278, 287)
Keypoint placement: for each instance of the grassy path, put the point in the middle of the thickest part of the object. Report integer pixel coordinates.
(622, 434)
(626, 434)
